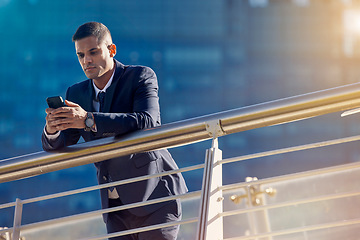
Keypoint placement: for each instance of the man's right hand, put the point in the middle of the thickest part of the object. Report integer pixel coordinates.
(62, 118)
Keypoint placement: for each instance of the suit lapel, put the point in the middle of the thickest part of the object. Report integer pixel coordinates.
(119, 71)
(88, 102)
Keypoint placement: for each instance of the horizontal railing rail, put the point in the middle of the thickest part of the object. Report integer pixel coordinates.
(299, 230)
(185, 132)
(143, 229)
(105, 185)
(295, 175)
(196, 194)
(292, 203)
(100, 212)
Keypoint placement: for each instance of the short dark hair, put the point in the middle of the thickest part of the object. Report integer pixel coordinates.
(95, 29)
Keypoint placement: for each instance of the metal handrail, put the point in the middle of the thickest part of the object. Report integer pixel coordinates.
(197, 193)
(224, 161)
(185, 132)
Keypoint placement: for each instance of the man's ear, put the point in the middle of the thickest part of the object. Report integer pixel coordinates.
(112, 50)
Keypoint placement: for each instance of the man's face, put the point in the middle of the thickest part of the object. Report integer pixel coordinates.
(96, 58)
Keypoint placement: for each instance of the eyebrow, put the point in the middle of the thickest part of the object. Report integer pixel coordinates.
(92, 49)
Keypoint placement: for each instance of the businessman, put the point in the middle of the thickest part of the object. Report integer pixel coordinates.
(117, 99)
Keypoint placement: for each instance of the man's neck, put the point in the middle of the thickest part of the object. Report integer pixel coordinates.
(104, 79)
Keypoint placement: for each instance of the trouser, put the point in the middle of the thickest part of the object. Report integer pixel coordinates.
(124, 220)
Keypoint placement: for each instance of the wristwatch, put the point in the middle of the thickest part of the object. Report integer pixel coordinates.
(89, 122)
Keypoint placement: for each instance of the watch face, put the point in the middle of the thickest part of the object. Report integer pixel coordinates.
(89, 122)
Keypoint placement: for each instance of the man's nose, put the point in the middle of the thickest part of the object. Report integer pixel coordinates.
(87, 59)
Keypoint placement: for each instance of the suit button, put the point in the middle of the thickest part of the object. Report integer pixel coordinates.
(104, 177)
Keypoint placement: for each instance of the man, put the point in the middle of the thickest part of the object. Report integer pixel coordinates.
(130, 103)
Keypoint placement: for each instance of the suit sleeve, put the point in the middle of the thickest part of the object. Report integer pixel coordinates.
(66, 138)
(144, 113)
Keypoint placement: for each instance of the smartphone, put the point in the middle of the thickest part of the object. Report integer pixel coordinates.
(55, 102)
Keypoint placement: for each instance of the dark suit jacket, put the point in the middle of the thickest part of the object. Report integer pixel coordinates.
(131, 103)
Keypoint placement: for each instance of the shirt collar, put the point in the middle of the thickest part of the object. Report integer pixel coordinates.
(97, 90)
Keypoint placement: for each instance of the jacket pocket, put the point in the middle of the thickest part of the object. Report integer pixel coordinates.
(142, 159)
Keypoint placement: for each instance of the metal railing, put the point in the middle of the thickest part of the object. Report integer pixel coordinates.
(325, 199)
(172, 135)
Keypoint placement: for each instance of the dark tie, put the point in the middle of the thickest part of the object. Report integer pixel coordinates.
(101, 97)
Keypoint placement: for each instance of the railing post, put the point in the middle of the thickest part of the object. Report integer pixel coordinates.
(210, 224)
(17, 219)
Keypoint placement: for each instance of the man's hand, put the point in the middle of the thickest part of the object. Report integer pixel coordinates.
(71, 116)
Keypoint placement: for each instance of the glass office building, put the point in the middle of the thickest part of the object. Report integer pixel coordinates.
(209, 56)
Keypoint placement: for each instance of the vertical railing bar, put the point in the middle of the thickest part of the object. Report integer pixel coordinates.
(208, 195)
(17, 219)
(203, 198)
